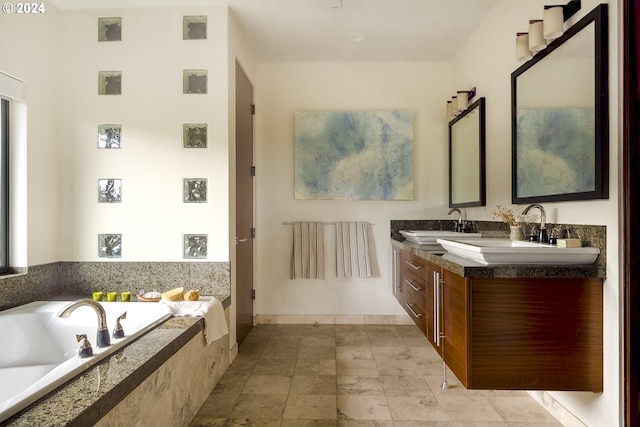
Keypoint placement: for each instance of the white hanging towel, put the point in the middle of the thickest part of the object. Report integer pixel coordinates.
(352, 249)
(308, 251)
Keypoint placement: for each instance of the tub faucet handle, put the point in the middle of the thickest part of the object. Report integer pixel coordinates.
(85, 348)
(118, 332)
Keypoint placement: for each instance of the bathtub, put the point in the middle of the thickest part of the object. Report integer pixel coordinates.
(39, 350)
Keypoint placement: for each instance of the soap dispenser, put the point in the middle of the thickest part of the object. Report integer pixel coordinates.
(85, 348)
(118, 332)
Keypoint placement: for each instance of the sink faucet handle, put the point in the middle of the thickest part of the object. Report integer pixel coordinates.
(85, 348)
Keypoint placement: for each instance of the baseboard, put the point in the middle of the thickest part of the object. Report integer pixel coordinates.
(559, 412)
(332, 319)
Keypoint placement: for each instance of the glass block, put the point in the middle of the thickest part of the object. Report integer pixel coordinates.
(195, 190)
(109, 136)
(109, 190)
(194, 27)
(110, 245)
(109, 29)
(194, 135)
(195, 245)
(194, 81)
(110, 82)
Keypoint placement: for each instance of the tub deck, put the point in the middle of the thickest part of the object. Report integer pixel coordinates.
(85, 399)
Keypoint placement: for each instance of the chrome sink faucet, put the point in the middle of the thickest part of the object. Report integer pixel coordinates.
(543, 236)
(102, 339)
(459, 226)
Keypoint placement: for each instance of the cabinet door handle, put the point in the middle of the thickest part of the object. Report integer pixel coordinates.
(410, 283)
(437, 311)
(410, 307)
(414, 266)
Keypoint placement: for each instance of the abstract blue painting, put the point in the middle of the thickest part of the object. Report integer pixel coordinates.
(357, 155)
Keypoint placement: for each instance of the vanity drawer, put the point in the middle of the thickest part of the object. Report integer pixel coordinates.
(416, 265)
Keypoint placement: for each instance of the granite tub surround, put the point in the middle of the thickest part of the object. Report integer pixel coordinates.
(591, 235)
(83, 278)
(160, 379)
(43, 282)
(38, 282)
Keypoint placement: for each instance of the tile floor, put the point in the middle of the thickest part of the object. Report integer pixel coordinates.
(353, 376)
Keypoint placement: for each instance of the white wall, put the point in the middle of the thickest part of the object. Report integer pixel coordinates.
(152, 109)
(28, 47)
(487, 62)
(283, 89)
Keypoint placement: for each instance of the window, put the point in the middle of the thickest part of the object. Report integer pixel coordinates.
(4, 185)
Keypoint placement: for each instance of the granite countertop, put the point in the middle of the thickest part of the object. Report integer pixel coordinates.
(465, 268)
(89, 396)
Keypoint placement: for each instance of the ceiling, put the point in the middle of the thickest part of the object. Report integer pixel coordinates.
(328, 30)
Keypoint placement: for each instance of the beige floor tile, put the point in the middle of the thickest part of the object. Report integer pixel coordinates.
(231, 384)
(317, 352)
(355, 407)
(263, 406)
(416, 408)
(354, 353)
(275, 367)
(409, 423)
(397, 367)
(391, 353)
(319, 340)
(285, 351)
(362, 385)
(219, 405)
(313, 384)
(354, 376)
(309, 407)
(468, 408)
(521, 409)
(315, 367)
(267, 384)
(309, 423)
(366, 423)
(405, 385)
(357, 367)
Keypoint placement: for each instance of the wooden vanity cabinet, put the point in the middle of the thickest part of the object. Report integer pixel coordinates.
(509, 333)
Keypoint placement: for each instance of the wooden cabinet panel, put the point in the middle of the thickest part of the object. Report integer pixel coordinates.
(454, 323)
(536, 334)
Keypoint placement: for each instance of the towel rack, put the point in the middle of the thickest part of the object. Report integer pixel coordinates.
(326, 223)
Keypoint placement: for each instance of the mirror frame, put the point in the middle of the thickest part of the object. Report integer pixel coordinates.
(482, 192)
(599, 16)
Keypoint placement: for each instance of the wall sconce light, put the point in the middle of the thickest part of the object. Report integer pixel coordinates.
(537, 41)
(554, 17)
(522, 47)
(452, 107)
(553, 22)
(459, 102)
(463, 98)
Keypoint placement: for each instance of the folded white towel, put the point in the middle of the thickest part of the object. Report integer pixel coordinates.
(215, 323)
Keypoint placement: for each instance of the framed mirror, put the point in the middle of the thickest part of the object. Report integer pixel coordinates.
(467, 157)
(560, 117)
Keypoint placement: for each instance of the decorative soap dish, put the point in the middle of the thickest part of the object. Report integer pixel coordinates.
(150, 297)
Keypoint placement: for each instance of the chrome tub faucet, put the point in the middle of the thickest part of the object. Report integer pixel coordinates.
(102, 339)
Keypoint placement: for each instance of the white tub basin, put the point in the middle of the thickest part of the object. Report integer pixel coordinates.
(431, 236)
(505, 251)
(39, 350)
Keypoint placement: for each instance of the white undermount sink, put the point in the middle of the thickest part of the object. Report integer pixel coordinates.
(430, 236)
(505, 251)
